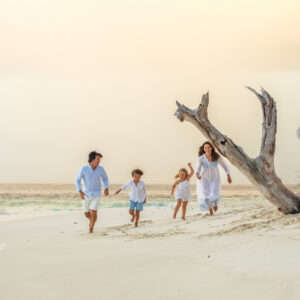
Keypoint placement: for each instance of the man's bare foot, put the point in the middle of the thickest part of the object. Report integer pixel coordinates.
(216, 208)
(132, 219)
(135, 224)
(183, 218)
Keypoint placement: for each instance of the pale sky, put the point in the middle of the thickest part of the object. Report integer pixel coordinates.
(82, 75)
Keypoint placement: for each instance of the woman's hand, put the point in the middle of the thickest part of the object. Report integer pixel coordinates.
(229, 179)
(198, 176)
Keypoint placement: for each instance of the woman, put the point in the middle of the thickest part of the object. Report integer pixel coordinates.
(209, 183)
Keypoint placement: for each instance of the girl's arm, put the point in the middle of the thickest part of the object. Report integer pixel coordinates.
(198, 169)
(224, 165)
(173, 187)
(191, 173)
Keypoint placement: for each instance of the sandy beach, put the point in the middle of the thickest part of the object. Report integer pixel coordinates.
(248, 250)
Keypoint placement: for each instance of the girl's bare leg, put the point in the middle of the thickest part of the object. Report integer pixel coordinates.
(177, 208)
(131, 212)
(137, 217)
(184, 204)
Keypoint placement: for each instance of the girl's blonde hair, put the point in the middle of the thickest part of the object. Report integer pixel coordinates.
(181, 170)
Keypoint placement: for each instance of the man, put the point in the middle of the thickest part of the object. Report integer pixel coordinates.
(92, 174)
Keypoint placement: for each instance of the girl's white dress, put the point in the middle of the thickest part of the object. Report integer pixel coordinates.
(183, 191)
(209, 186)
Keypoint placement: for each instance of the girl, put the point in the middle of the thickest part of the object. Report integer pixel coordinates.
(207, 173)
(183, 192)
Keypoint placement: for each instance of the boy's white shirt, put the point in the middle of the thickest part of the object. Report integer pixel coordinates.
(137, 192)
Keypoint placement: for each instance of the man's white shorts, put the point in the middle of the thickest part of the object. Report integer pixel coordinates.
(90, 203)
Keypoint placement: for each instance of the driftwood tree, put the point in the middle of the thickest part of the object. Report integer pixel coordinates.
(260, 170)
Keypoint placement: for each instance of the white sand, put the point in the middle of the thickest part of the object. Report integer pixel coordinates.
(247, 251)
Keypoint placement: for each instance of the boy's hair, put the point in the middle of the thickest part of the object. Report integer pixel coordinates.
(93, 155)
(181, 170)
(137, 171)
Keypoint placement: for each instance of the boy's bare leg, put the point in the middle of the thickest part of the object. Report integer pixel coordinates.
(176, 208)
(216, 208)
(184, 204)
(93, 220)
(137, 217)
(131, 212)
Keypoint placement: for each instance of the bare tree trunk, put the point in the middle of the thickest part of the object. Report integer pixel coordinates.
(260, 170)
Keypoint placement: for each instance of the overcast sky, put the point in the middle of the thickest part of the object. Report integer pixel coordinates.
(82, 75)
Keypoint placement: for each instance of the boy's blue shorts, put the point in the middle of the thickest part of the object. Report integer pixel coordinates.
(136, 205)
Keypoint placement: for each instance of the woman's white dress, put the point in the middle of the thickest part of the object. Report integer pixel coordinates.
(183, 191)
(209, 186)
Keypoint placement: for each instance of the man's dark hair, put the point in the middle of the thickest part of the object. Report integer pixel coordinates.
(137, 171)
(93, 155)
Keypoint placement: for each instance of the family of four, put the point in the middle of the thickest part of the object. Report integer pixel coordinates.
(208, 185)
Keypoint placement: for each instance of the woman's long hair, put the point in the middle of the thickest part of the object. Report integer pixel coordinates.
(214, 155)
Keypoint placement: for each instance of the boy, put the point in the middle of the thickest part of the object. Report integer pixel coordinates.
(137, 195)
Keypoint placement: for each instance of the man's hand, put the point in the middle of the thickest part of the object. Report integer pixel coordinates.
(82, 195)
(144, 201)
(106, 192)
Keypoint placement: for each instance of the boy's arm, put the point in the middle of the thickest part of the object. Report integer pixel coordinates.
(118, 191)
(191, 173)
(123, 188)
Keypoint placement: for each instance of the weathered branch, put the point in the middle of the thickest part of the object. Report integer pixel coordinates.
(260, 170)
(269, 127)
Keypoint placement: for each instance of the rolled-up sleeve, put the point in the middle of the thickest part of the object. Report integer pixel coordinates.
(125, 186)
(105, 179)
(224, 165)
(78, 180)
